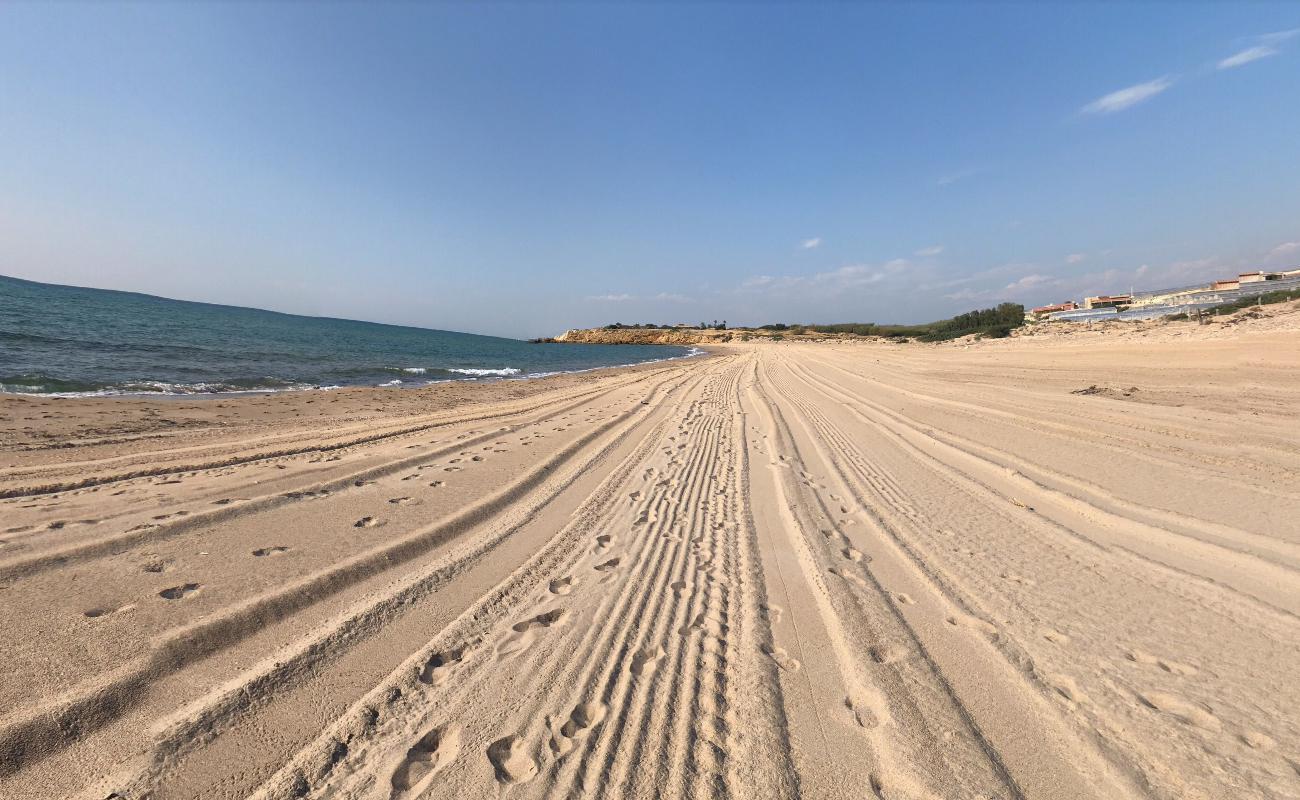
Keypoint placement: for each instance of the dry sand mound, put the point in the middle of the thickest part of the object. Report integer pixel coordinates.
(786, 570)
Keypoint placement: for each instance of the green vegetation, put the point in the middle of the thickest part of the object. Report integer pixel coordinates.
(992, 323)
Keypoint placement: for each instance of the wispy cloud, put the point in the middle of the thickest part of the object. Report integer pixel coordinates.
(1027, 282)
(1128, 97)
(809, 244)
(1270, 44)
(1248, 55)
(1075, 258)
(960, 175)
(928, 252)
(836, 280)
(1284, 250)
(623, 297)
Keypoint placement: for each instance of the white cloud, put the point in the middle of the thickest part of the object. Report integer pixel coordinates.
(1284, 250)
(1075, 258)
(835, 280)
(1265, 46)
(932, 250)
(1277, 37)
(1128, 97)
(1142, 270)
(809, 244)
(622, 297)
(1248, 55)
(1027, 282)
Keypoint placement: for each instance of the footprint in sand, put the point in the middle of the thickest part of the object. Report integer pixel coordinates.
(783, 659)
(545, 620)
(179, 592)
(607, 566)
(645, 661)
(399, 501)
(678, 587)
(1065, 686)
(849, 576)
(852, 554)
(1182, 710)
(771, 612)
(561, 586)
(431, 753)
(524, 632)
(974, 623)
(585, 716)
(1172, 667)
(153, 565)
(887, 653)
(1257, 741)
(270, 551)
(866, 712)
(509, 761)
(694, 625)
(1056, 637)
(96, 613)
(603, 543)
(366, 522)
(438, 667)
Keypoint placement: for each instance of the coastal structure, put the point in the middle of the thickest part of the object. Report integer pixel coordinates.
(1107, 301)
(1042, 311)
(1180, 300)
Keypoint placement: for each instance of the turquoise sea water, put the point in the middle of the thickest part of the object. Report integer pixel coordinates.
(70, 340)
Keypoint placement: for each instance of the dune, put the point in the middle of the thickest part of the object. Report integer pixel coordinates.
(1044, 567)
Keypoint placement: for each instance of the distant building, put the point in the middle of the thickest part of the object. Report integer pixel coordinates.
(1068, 305)
(1107, 301)
(1231, 283)
(1259, 275)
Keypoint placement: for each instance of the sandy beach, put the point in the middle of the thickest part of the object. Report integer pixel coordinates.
(1056, 566)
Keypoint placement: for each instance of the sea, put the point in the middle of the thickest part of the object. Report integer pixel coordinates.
(73, 341)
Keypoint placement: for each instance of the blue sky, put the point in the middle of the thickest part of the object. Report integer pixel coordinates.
(520, 169)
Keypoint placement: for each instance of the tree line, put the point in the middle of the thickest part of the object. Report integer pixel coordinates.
(993, 323)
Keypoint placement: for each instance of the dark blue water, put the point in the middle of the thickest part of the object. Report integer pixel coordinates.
(70, 340)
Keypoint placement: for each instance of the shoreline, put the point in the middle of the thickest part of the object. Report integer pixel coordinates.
(478, 379)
